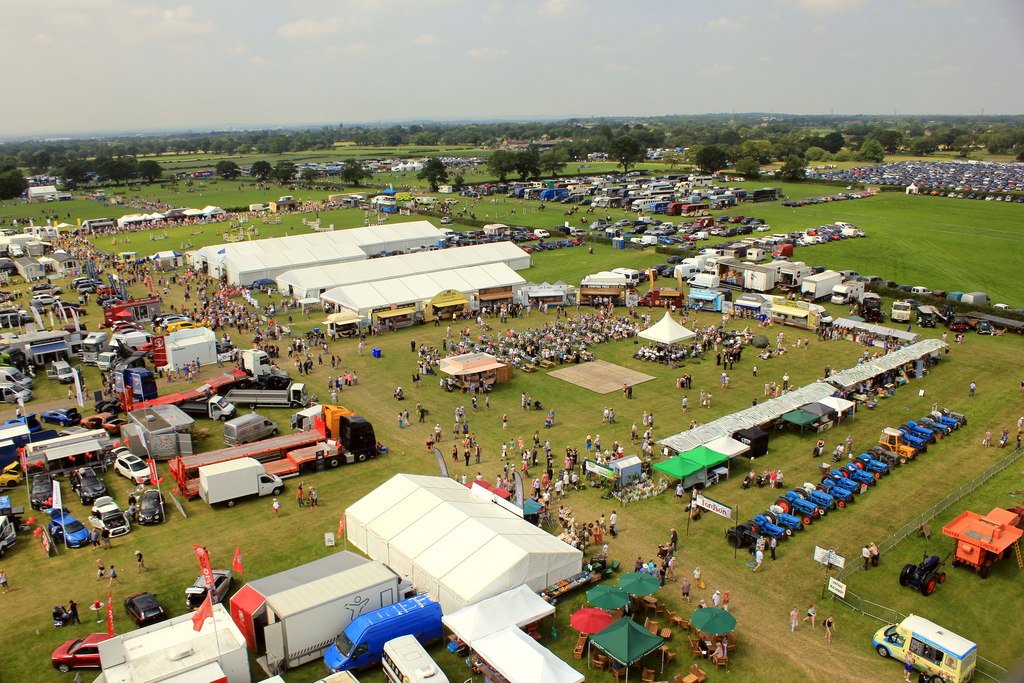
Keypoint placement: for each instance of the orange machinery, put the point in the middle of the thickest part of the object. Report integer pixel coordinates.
(981, 540)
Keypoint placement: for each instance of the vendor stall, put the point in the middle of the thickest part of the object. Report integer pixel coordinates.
(471, 371)
(445, 304)
(517, 658)
(557, 294)
(343, 324)
(604, 285)
(843, 407)
(756, 440)
(794, 313)
(519, 608)
(750, 306)
(627, 470)
(706, 299)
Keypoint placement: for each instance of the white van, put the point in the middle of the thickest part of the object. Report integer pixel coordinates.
(685, 270)
(704, 281)
(248, 428)
(920, 290)
(10, 375)
(632, 276)
(61, 371)
(541, 234)
(405, 661)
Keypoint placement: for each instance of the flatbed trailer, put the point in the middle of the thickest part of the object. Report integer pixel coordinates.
(217, 385)
(281, 455)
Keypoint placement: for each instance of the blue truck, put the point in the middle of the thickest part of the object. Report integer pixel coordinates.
(361, 645)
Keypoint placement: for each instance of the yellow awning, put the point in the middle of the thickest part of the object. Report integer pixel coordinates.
(450, 299)
(790, 311)
(396, 312)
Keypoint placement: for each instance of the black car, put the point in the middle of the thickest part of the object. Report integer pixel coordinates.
(42, 492)
(87, 485)
(144, 609)
(151, 507)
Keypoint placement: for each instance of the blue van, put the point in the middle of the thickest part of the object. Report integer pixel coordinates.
(361, 645)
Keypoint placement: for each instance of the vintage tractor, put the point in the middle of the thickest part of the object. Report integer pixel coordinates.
(983, 540)
(778, 516)
(945, 415)
(923, 577)
(741, 536)
(866, 462)
(843, 496)
(920, 431)
(912, 439)
(762, 525)
(839, 481)
(886, 456)
(819, 498)
(793, 503)
(941, 428)
(857, 474)
(893, 440)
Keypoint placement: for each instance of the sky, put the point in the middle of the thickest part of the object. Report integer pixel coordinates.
(130, 65)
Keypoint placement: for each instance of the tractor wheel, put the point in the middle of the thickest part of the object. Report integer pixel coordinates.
(903, 460)
(800, 525)
(906, 573)
(787, 533)
(928, 587)
(800, 493)
(942, 577)
(878, 475)
(819, 512)
(771, 517)
(734, 539)
(753, 528)
(806, 519)
(840, 503)
(985, 570)
(858, 464)
(784, 504)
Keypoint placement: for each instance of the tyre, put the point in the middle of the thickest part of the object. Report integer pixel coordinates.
(906, 573)
(806, 520)
(882, 651)
(878, 475)
(800, 493)
(230, 503)
(361, 457)
(858, 464)
(63, 668)
(784, 504)
(903, 460)
(276, 491)
(840, 503)
(942, 577)
(273, 432)
(734, 539)
(771, 517)
(985, 570)
(800, 525)
(928, 587)
(787, 532)
(333, 462)
(819, 512)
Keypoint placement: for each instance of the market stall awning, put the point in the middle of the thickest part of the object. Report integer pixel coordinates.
(728, 446)
(799, 417)
(521, 659)
(626, 642)
(840, 405)
(343, 318)
(517, 607)
(405, 310)
(705, 294)
(679, 467)
(790, 311)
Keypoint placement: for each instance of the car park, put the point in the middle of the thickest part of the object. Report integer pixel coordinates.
(144, 609)
(87, 485)
(151, 507)
(64, 417)
(196, 593)
(66, 529)
(78, 653)
(107, 515)
(132, 467)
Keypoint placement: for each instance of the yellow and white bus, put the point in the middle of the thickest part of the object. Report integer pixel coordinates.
(944, 655)
(405, 661)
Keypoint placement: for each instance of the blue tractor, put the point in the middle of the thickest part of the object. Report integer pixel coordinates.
(819, 498)
(925, 576)
(776, 515)
(888, 457)
(844, 482)
(959, 417)
(858, 475)
(920, 431)
(793, 503)
(762, 525)
(948, 418)
(941, 428)
(913, 439)
(866, 462)
(843, 494)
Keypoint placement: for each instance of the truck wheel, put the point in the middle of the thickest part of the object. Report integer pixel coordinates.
(928, 587)
(223, 418)
(273, 432)
(333, 462)
(276, 491)
(230, 503)
(985, 570)
(882, 651)
(361, 457)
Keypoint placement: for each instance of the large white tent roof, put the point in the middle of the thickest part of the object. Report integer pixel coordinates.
(520, 659)
(517, 607)
(459, 548)
(667, 331)
(365, 296)
(313, 280)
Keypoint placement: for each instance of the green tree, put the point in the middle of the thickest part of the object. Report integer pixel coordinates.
(283, 172)
(528, 164)
(74, 173)
(308, 175)
(261, 170)
(434, 172)
(353, 173)
(922, 146)
(458, 181)
(749, 168)
(711, 158)
(501, 164)
(792, 169)
(228, 169)
(872, 151)
(553, 162)
(815, 154)
(150, 170)
(673, 159)
(627, 151)
(834, 142)
(117, 170)
(12, 183)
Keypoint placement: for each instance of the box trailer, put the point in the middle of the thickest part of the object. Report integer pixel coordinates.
(292, 617)
(817, 287)
(792, 274)
(851, 291)
(292, 397)
(228, 482)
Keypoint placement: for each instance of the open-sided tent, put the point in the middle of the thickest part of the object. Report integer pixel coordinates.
(728, 446)
(820, 409)
(626, 642)
(520, 659)
(692, 466)
(518, 607)
(843, 407)
(800, 418)
(666, 331)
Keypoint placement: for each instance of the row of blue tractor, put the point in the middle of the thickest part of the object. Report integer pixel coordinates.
(801, 507)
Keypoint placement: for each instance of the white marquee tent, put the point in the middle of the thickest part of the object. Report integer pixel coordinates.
(667, 331)
(315, 280)
(459, 548)
(518, 607)
(520, 659)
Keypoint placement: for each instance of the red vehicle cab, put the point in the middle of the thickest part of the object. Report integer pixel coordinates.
(82, 653)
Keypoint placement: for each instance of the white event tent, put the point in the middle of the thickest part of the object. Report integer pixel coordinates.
(520, 659)
(457, 547)
(666, 331)
(518, 607)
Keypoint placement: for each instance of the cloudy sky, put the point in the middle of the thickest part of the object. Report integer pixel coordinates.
(89, 65)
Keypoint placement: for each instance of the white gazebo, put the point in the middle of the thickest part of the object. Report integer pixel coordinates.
(667, 331)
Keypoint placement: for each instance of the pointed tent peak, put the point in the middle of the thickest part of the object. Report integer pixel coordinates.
(667, 331)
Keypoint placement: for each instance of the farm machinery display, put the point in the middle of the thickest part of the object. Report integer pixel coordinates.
(894, 440)
(924, 576)
(797, 502)
(983, 540)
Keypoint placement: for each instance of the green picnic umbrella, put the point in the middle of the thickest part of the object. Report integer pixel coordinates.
(607, 597)
(639, 583)
(713, 620)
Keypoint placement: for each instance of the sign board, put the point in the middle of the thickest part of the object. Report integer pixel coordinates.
(329, 539)
(836, 587)
(599, 469)
(44, 538)
(828, 556)
(5, 502)
(713, 506)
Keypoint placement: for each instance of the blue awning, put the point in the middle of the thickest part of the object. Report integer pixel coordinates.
(704, 294)
(51, 347)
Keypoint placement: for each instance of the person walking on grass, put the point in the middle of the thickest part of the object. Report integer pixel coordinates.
(812, 615)
(3, 581)
(794, 618)
(139, 561)
(277, 508)
(111, 576)
(830, 628)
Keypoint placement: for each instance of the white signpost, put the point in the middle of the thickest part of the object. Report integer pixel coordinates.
(827, 556)
(837, 587)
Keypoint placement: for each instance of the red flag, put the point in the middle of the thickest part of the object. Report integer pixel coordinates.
(341, 527)
(205, 610)
(236, 564)
(110, 614)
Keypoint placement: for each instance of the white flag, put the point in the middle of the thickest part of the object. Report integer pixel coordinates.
(35, 314)
(55, 495)
(50, 312)
(78, 389)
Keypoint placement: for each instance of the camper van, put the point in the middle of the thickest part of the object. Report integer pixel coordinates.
(632, 276)
(405, 661)
(933, 649)
(248, 428)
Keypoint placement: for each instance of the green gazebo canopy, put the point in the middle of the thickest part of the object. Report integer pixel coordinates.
(626, 642)
(800, 418)
(691, 462)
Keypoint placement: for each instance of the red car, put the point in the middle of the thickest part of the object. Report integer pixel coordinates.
(82, 653)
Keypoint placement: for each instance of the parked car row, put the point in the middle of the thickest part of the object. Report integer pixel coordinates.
(838, 197)
(982, 177)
